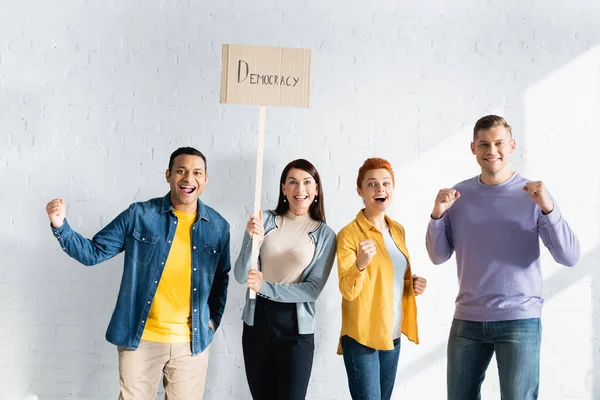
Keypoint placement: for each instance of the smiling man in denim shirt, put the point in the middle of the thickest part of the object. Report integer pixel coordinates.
(174, 284)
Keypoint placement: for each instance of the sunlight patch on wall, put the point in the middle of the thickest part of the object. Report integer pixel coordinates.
(562, 141)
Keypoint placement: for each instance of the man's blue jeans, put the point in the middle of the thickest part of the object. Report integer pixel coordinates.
(517, 347)
(371, 373)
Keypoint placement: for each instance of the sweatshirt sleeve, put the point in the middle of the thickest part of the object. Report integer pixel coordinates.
(558, 237)
(438, 240)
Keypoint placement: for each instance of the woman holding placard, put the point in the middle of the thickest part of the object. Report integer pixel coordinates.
(377, 286)
(296, 255)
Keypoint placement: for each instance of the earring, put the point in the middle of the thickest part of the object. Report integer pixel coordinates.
(316, 200)
(284, 200)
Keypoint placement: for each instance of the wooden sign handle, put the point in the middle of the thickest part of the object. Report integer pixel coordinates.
(258, 185)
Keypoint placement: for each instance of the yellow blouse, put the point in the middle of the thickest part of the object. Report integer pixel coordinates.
(368, 295)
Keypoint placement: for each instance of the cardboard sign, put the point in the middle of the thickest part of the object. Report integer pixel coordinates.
(265, 76)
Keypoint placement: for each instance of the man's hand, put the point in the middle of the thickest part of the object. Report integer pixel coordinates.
(57, 211)
(419, 284)
(539, 195)
(443, 201)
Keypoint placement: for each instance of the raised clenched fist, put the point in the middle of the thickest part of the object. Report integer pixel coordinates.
(366, 251)
(57, 211)
(443, 201)
(539, 195)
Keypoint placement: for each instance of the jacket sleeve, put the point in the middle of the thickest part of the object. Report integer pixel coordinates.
(309, 289)
(351, 279)
(438, 240)
(244, 260)
(105, 244)
(558, 237)
(218, 291)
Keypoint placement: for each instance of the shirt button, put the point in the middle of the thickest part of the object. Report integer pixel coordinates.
(169, 241)
(148, 302)
(175, 222)
(214, 251)
(155, 282)
(194, 269)
(195, 310)
(195, 329)
(194, 227)
(162, 263)
(194, 247)
(194, 289)
(143, 321)
(143, 239)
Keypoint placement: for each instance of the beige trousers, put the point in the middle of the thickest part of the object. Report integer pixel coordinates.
(183, 375)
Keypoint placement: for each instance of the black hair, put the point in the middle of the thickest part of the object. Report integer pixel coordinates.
(189, 151)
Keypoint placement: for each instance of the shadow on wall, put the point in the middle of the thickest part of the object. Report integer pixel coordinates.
(63, 310)
(589, 265)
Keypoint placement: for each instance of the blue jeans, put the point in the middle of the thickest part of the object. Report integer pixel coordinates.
(371, 373)
(517, 347)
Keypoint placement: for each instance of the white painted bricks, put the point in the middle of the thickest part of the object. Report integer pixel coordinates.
(94, 96)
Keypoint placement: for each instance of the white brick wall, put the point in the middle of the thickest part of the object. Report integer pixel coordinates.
(94, 96)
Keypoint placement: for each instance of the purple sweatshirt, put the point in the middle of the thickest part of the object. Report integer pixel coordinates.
(494, 230)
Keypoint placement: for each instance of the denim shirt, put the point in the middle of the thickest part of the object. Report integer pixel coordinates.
(303, 293)
(145, 232)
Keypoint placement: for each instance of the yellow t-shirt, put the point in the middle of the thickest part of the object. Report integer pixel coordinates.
(169, 319)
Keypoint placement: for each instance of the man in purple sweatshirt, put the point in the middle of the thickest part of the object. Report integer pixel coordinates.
(493, 222)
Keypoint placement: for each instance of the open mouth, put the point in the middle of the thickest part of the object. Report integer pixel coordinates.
(380, 199)
(187, 189)
(300, 198)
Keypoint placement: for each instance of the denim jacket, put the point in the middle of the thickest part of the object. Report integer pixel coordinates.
(145, 232)
(303, 293)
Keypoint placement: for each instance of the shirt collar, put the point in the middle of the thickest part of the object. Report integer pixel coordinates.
(167, 206)
(364, 223)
